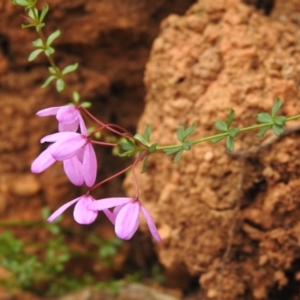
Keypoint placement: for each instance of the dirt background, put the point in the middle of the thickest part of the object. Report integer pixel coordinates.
(229, 223)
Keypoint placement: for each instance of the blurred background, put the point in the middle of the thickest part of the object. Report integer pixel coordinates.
(141, 62)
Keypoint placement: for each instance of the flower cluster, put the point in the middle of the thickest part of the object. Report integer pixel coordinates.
(125, 215)
(76, 151)
(73, 149)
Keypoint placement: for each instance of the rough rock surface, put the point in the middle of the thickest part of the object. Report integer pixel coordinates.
(231, 220)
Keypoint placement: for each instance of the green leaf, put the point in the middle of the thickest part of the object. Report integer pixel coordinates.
(32, 13)
(127, 153)
(107, 250)
(44, 12)
(145, 164)
(180, 133)
(24, 26)
(263, 131)
(264, 118)
(187, 145)
(49, 51)
(277, 129)
(70, 69)
(76, 97)
(152, 148)
(52, 37)
(232, 132)
(54, 229)
(189, 131)
(20, 2)
(128, 146)
(125, 146)
(141, 139)
(47, 82)
(38, 43)
(60, 85)
(86, 104)
(52, 70)
(172, 150)
(45, 213)
(280, 120)
(217, 139)
(147, 132)
(276, 107)
(230, 117)
(178, 156)
(221, 125)
(229, 143)
(34, 54)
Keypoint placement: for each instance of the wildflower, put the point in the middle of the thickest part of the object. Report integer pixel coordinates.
(68, 117)
(125, 216)
(43, 161)
(76, 152)
(82, 214)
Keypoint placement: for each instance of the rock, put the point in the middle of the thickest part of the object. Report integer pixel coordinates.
(224, 54)
(26, 185)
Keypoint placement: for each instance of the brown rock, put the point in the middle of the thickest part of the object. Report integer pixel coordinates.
(244, 61)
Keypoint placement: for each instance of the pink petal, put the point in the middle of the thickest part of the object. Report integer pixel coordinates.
(67, 114)
(68, 126)
(151, 224)
(82, 126)
(58, 136)
(82, 214)
(127, 220)
(117, 209)
(110, 215)
(73, 169)
(42, 162)
(48, 111)
(59, 211)
(68, 146)
(89, 165)
(108, 203)
(79, 154)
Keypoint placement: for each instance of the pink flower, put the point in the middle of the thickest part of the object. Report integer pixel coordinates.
(73, 166)
(68, 117)
(43, 161)
(82, 214)
(77, 153)
(126, 216)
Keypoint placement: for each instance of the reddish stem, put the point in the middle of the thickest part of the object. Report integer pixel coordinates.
(135, 180)
(103, 143)
(109, 178)
(139, 158)
(123, 132)
(92, 117)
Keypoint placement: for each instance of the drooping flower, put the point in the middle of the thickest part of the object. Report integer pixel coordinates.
(73, 166)
(68, 116)
(76, 152)
(43, 161)
(125, 216)
(82, 214)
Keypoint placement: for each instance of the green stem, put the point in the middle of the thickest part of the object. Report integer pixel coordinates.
(44, 40)
(208, 138)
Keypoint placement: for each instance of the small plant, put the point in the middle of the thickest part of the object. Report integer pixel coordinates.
(40, 267)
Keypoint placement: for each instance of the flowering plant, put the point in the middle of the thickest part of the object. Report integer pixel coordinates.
(74, 145)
